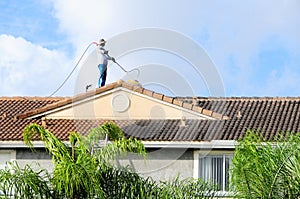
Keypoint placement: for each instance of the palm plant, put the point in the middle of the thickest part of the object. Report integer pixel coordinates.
(264, 169)
(24, 182)
(127, 184)
(186, 188)
(75, 166)
(85, 169)
(114, 141)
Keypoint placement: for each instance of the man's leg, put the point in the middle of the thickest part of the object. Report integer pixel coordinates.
(101, 70)
(103, 78)
(99, 82)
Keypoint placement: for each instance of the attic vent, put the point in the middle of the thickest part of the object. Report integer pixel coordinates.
(120, 103)
(44, 122)
(239, 115)
(4, 115)
(183, 122)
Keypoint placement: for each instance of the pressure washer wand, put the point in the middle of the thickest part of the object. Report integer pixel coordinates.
(138, 71)
(120, 66)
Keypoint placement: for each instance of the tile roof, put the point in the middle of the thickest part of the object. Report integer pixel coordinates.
(12, 106)
(270, 115)
(11, 128)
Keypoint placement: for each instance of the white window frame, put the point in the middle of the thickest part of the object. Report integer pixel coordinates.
(199, 153)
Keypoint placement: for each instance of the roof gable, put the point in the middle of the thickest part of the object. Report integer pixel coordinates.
(108, 103)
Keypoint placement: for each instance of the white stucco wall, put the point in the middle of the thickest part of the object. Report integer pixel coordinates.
(162, 164)
(6, 156)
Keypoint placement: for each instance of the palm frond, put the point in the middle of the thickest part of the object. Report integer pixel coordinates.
(267, 169)
(25, 182)
(55, 146)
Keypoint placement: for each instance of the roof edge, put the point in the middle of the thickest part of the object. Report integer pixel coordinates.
(213, 144)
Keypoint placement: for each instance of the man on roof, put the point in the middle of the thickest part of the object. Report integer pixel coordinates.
(103, 58)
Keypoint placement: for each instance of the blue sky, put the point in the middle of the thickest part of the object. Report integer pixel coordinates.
(255, 45)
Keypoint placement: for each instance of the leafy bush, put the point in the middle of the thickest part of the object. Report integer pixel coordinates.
(81, 171)
(24, 183)
(123, 183)
(262, 169)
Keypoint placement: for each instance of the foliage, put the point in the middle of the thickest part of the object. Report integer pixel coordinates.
(73, 169)
(123, 183)
(262, 169)
(109, 129)
(85, 169)
(119, 143)
(76, 166)
(127, 184)
(186, 188)
(24, 183)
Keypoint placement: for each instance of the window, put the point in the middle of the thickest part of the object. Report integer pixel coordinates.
(215, 169)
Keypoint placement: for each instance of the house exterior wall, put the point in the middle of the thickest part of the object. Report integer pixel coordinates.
(123, 105)
(6, 155)
(159, 163)
(43, 163)
(162, 164)
(38, 154)
(169, 163)
(39, 157)
(25, 156)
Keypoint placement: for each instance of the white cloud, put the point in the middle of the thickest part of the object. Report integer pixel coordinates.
(233, 34)
(234, 31)
(29, 69)
(238, 33)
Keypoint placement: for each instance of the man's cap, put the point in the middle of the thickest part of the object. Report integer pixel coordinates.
(102, 41)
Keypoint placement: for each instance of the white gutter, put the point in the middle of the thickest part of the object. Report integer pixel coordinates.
(21, 144)
(214, 144)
